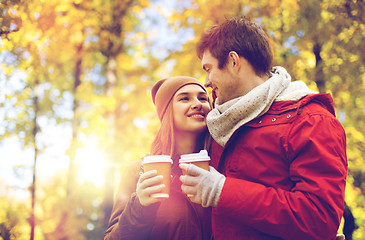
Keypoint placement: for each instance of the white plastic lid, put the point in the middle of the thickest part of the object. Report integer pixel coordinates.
(156, 159)
(195, 157)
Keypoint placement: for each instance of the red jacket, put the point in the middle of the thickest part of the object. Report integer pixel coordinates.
(286, 174)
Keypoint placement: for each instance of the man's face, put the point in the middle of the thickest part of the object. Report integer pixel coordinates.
(223, 82)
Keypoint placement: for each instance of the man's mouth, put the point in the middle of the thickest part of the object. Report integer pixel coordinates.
(214, 94)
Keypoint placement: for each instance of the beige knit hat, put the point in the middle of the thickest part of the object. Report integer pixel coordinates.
(163, 91)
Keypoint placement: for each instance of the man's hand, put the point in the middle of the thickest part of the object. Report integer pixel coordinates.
(202, 186)
(149, 183)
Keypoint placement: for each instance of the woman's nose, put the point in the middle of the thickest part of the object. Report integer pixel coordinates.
(196, 104)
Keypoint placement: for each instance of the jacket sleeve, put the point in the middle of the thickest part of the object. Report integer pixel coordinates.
(312, 208)
(129, 219)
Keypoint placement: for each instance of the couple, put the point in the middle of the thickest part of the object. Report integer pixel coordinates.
(278, 158)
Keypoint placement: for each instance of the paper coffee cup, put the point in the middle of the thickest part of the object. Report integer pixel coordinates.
(200, 159)
(161, 163)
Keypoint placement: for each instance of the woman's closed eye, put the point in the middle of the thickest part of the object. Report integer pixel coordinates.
(184, 99)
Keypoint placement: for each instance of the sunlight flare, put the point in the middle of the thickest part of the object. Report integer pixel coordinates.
(91, 165)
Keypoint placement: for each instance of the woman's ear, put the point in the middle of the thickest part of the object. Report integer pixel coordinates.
(234, 60)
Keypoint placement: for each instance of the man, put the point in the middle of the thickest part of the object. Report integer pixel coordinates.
(278, 148)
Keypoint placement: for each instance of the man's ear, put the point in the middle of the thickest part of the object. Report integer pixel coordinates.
(234, 60)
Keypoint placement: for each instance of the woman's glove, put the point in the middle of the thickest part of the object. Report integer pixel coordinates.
(149, 183)
(202, 186)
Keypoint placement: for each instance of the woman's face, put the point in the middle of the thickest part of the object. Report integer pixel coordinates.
(190, 108)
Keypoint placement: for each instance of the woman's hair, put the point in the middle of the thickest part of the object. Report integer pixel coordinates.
(244, 37)
(164, 140)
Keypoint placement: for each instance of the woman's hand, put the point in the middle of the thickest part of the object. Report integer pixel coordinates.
(149, 183)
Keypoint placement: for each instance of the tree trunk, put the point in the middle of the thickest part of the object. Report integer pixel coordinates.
(319, 76)
(112, 50)
(33, 186)
(59, 232)
(71, 181)
(350, 225)
(111, 80)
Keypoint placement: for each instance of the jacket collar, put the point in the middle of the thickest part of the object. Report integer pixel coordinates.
(324, 99)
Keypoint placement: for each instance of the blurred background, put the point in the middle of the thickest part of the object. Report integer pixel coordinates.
(75, 105)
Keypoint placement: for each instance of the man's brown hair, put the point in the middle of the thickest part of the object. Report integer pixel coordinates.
(244, 37)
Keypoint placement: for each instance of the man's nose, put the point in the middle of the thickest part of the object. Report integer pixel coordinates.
(207, 83)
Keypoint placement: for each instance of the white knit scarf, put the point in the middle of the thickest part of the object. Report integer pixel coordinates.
(225, 119)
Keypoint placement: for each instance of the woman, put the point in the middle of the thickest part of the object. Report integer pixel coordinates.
(182, 104)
